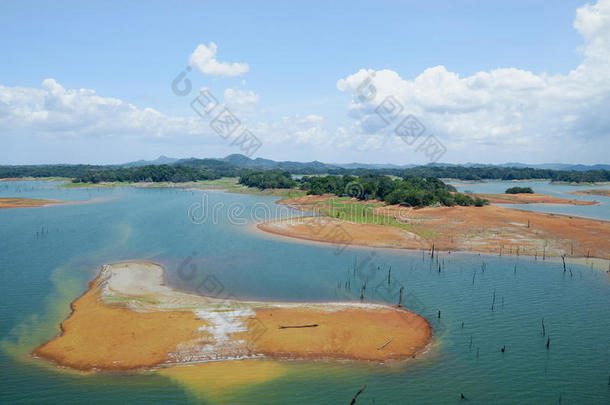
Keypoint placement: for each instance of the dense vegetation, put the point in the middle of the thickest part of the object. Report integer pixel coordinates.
(165, 173)
(411, 191)
(269, 179)
(236, 165)
(489, 173)
(519, 190)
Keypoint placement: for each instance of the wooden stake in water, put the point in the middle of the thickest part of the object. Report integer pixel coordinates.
(360, 391)
(400, 297)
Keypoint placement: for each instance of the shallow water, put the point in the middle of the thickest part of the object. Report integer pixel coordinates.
(48, 255)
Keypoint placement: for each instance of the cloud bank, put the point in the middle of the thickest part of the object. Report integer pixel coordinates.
(506, 113)
(503, 107)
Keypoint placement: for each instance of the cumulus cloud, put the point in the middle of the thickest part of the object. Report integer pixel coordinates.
(204, 59)
(54, 113)
(505, 106)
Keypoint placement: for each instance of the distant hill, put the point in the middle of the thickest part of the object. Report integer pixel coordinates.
(555, 166)
(241, 161)
(161, 160)
(267, 164)
(356, 165)
(171, 169)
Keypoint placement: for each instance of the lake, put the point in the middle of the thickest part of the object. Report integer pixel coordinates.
(49, 254)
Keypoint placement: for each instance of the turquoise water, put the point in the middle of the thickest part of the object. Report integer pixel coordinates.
(49, 254)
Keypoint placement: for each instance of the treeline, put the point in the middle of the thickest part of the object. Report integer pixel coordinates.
(410, 191)
(488, 173)
(267, 179)
(150, 173)
(519, 190)
(70, 171)
(204, 168)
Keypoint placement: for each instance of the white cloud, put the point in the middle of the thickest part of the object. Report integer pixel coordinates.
(242, 101)
(204, 59)
(54, 111)
(75, 119)
(503, 107)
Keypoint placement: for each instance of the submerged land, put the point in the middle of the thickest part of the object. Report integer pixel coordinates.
(128, 319)
(601, 192)
(26, 202)
(534, 198)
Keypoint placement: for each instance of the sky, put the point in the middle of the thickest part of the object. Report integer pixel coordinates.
(402, 82)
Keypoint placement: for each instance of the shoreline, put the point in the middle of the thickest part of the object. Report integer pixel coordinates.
(128, 319)
(591, 262)
(600, 192)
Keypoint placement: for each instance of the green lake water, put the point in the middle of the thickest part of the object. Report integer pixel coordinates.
(47, 256)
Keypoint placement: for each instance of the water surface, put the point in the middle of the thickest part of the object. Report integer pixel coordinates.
(49, 254)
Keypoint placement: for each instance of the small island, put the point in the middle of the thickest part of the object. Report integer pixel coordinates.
(128, 319)
(600, 192)
(26, 202)
(531, 198)
(488, 229)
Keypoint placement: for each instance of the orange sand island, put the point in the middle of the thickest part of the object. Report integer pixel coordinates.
(531, 198)
(129, 319)
(26, 202)
(601, 192)
(488, 229)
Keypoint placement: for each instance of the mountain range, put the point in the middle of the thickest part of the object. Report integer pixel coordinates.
(243, 161)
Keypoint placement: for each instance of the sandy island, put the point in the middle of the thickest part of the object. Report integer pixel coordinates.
(26, 202)
(530, 198)
(129, 319)
(488, 229)
(600, 192)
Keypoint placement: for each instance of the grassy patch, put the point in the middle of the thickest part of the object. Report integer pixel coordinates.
(345, 209)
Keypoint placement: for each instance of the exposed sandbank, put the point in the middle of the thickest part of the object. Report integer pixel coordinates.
(601, 192)
(488, 229)
(26, 202)
(129, 319)
(527, 198)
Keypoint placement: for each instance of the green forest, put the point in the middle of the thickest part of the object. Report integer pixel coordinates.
(206, 169)
(519, 190)
(410, 191)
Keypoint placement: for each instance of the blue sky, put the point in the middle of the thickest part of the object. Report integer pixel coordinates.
(296, 54)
